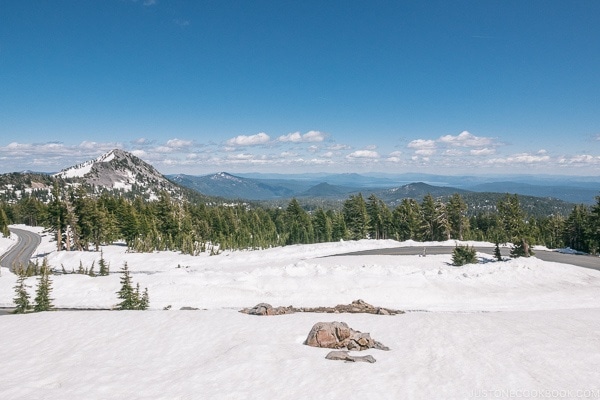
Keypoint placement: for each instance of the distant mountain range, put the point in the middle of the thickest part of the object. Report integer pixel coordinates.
(274, 186)
(123, 173)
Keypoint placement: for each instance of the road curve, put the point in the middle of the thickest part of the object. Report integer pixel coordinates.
(585, 261)
(21, 252)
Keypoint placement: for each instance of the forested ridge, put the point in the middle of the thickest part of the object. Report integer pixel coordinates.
(81, 221)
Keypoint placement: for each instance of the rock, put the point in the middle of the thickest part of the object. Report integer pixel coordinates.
(338, 335)
(186, 308)
(357, 306)
(267, 309)
(344, 356)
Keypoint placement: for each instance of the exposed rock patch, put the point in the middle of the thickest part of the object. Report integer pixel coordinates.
(267, 309)
(338, 335)
(344, 356)
(357, 306)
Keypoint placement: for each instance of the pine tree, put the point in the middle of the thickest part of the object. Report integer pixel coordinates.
(497, 253)
(356, 217)
(429, 217)
(462, 255)
(131, 298)
(298, 224)
(57, 214)
(22, 297)
(512, 218)
(594, 226)
(457, 209)
(576, 231)
(104, 269)
(91, 271)
(521, 249)
(43, 302)
(4, 224)
(338, 226)
(322, 226)
(407, 219)
(144, 300)
(127, 293)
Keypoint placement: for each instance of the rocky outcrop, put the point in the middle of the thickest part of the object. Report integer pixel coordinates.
(357, 306)
(338, 335)
(344, 356)
(267, 309)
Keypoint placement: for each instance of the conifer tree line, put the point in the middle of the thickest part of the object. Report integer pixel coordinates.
(83, 222)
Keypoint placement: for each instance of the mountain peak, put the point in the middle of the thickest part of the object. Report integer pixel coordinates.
(120, 170)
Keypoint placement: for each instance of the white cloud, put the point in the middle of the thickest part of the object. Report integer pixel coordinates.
(522, 158)
(339, 146)
(18, 146)
(163, 149)
(425, 152)
(314, 136)
(142, 141)
(328, 154)
(422, 144)
(241, 156)
(466, 139)
(178, 143)
(482, 152)
(297, 137)
(252, 140)
(88, 145)
(139, 153)
(582, 159)
(453, 152)
(368, 154)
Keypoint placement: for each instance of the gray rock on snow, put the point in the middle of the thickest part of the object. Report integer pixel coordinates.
(344, 356)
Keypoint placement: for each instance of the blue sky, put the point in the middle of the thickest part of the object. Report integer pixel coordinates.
(449, 87)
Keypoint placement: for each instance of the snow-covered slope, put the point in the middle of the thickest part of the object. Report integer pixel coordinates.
(313, 275)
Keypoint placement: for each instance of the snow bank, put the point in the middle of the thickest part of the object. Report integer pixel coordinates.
(313, 275)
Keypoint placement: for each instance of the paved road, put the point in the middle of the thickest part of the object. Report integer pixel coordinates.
(586, 261)
(22, 251)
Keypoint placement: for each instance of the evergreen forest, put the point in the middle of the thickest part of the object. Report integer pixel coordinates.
(80, 221)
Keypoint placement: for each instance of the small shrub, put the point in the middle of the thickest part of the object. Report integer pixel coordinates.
(521, 249)
(462, 255)
(497, 254)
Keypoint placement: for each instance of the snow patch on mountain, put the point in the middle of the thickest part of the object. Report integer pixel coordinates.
(77, 171)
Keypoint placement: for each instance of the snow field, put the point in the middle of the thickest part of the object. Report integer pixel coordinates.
(222, 354)
(484, 330)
